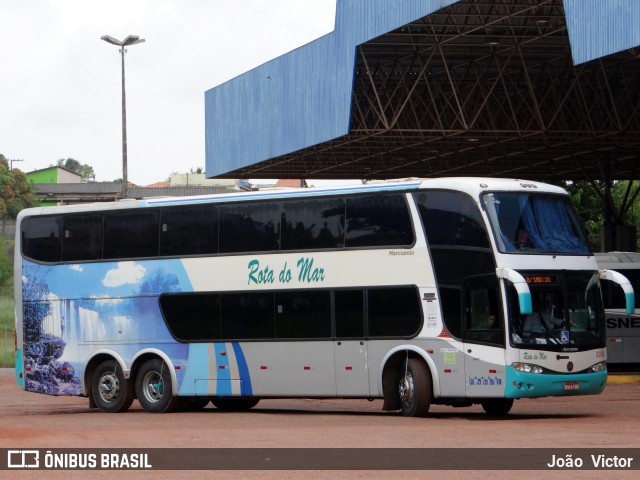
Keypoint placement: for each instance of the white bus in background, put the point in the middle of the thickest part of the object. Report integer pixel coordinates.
(417, 292)
(623, 329)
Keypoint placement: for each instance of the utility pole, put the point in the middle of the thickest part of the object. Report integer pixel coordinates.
(11, 160)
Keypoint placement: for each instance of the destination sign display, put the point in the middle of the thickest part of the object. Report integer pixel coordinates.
(541, 279)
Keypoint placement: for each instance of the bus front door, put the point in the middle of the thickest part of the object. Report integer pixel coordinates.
(483, 337)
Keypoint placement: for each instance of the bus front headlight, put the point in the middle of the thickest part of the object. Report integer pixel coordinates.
(599, 367)
(527, 367)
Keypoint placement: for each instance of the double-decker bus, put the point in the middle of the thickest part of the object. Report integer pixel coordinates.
(622, 328)
(416, 292)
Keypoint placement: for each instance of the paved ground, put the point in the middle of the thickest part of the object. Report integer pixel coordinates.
(611, 420)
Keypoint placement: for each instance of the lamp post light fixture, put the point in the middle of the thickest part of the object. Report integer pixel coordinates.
(130, 40)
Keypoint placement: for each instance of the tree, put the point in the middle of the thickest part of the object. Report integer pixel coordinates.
(589, 197)
(589, 207)
(85, 171)
(15, 191)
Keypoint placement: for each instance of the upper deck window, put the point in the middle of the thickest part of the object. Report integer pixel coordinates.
(313, 223)
(41, 238)
(451, 219)
(534, 223)
(250, 227)
(190, 230)
(82, 237)
(130, 234)
(378, 220)
(262, 226)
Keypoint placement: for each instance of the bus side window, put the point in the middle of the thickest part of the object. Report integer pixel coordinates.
(394, 312)
(131, 234)
(247, 315)
(315, 223)
(191, 230)
(303, 314)
(82, 238)
(41, 239)
(450, 300)
(381, 220)
(192, 317)
(349, 313)
(451, 219)
(250, 227)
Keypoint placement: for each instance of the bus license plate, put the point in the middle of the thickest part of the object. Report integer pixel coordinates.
(572, 385)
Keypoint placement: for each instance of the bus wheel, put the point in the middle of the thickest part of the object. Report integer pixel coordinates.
(192, 404)
(153, 387)
(414, 389)
(497, 406)
(110, 391)
(235, 404)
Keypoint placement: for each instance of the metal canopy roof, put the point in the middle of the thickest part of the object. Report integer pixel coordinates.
(483, 88)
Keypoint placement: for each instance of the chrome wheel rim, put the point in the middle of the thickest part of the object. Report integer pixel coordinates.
(405, 388)
(153, 387)
(109, 387)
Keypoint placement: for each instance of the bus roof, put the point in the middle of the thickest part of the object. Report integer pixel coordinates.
(618, 260)
(471, 185)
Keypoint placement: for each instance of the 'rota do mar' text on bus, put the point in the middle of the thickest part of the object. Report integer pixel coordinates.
(454, 291)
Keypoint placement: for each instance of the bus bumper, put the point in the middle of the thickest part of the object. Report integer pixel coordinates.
(532, 385)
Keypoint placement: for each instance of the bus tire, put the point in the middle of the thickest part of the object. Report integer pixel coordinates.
(153, 387)
(415, 389)
(497, 406)
(110, 391)
(235, 404)
(192, 404)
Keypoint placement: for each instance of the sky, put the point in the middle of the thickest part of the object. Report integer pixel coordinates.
(60, 84)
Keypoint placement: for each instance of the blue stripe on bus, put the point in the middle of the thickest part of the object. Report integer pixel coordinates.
(526, 306)
(223, 375)
(197, 368)
(630, 303)
(20, 368)
(243, 370)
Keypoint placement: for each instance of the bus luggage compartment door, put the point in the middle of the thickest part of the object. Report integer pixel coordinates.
(352, 376)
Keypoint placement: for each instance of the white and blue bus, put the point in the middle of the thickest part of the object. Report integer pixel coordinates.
(416, 292)
(622, 328)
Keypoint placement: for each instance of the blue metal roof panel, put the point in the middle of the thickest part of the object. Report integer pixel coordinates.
(597, 28)
(302, 98)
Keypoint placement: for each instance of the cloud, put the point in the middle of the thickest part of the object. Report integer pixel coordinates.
(125, 273)
(76, 268)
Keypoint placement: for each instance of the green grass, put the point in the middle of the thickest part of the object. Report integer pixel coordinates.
(7, 326)
(7, 315)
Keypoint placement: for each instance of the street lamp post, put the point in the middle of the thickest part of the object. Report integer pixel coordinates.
(130, 40)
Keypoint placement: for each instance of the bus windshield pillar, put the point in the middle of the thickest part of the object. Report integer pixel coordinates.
(520, 284)
(624, 283)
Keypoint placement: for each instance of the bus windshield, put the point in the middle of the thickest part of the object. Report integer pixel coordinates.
(567, 312)
(534, 223)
